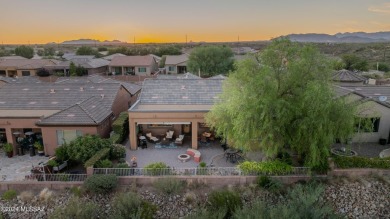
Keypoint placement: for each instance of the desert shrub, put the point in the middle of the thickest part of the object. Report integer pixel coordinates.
(155, 169)
(117, 151)
(202, 164)
(84, 147)
(269, 183)
(190, 197)
(169, 185)
(76, 191)
(101, 183)
(115, 138)
(225, 199)
(122, 160)
(61, 153)
(76, 209)
(130, 205)
(207, 214)
(9, 194)
(122, 165)
(275, 167)
(103, 153)
(361, 162)
(104, 164)
(45, 195)
(26, 196)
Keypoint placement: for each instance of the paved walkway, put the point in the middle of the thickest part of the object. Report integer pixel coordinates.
(365, 149)
(17, 167)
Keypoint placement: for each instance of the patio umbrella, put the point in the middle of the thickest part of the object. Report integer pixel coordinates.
(16, 133)
(29, 133)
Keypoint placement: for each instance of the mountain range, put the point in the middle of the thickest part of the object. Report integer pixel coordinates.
(91, 41)
(355, 37)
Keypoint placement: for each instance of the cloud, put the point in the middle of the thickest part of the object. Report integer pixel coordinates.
(384, 8)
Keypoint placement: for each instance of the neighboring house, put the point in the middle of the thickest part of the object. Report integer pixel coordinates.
(110, 57)
(173, 104)
(59, 112)
(347, 77)
(23, 67)
(176, 64)
(181, 76)
(133, 89)
(11, 57)
(71, 56)
(157, 58)
(93, 66)
(374, 106)
(134, 65)
(27, 79)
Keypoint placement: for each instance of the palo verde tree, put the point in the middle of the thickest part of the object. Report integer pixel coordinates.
(283, 98)
(210, 60)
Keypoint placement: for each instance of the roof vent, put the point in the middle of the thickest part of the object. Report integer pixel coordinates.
(81, 89)
(183, 87)
(184, 97)
(102, 96)
(52, 91)
(382, 98)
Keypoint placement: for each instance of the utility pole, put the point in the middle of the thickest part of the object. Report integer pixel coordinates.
(134, 40)
(186, 39)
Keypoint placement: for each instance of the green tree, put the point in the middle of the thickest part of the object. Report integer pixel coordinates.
(86, 50)
(161, 64)
(84, 147)
(211, 60)
(81, 71)
(60, 53)
(49, 51)
(167, 50)
(101, 49)
(72, 69)
(4, 52)
(286, 100)
(24, 51)
(353, 62)
(382, 67)
(40, 52)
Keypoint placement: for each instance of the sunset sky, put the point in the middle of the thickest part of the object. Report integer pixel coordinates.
(43, 21)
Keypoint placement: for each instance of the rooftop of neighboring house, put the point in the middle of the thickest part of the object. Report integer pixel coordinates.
(11, 57)
(86, 63)
(110, 57)
(378, 93)
(178, 76)
(71, 56)
(130, 87)
(174, 60)
(24, 79)
(178, 95)
(347, 76)
(26, 63)
(132, 61)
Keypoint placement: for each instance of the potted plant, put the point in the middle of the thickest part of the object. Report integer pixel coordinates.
(8, 149)
(39, 147)
(51, 164)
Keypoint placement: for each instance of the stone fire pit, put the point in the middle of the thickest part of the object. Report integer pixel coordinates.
(184, 157)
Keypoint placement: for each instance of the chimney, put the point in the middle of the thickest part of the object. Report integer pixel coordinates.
(52, 91)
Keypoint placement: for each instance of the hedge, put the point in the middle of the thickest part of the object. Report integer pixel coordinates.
(116, 138)
(276, 167)
(103, 153)
(121, 126)
(361, 162)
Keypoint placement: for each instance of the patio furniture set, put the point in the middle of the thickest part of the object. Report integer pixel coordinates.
(166, 139)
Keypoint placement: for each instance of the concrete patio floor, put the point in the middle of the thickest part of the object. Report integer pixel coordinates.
(17, 167)
(365, 149)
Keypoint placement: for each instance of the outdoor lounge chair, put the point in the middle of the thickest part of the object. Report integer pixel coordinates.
(179, 140)
(169, 135)
(151, 138)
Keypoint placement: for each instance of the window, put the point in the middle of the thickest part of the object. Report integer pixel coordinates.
(26, 73)
(67, 136)
(367, 124)
(171, 68)
(141, 69)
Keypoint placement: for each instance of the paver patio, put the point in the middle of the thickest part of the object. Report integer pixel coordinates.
(365, 149)
(17, 167)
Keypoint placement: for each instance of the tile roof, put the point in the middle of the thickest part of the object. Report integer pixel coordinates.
(25, 63)
(177, 92)
(24, 79)
(71, 56)
(88, 112)
(53, 96)
(174, 60)
(11, 57)
(347, 76)
(178, 76)
(373, 92)
(130, 87)
(132, 61)
(86, 63)
(110, 57)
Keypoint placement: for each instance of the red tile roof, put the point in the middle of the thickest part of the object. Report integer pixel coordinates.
(132, 61)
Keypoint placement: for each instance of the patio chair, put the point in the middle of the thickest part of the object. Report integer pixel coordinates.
(169, 135)
(179, 140)
(151, 138)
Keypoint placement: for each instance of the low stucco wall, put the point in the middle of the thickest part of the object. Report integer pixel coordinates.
(359, 172)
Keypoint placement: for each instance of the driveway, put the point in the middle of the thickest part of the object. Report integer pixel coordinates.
(17, 167)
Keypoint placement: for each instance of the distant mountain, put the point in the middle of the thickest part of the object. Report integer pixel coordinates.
(90, 41)
(357, 37)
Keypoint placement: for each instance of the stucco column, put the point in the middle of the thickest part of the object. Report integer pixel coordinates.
(11, 139)
(6, 73)
(132, 135)
(194, 130)
(123, 70)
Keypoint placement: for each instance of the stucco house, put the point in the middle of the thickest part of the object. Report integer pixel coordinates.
(179, 105)
(23, 67)
(134, 65)
(93, 66)
(59, 111)
(176, 64)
